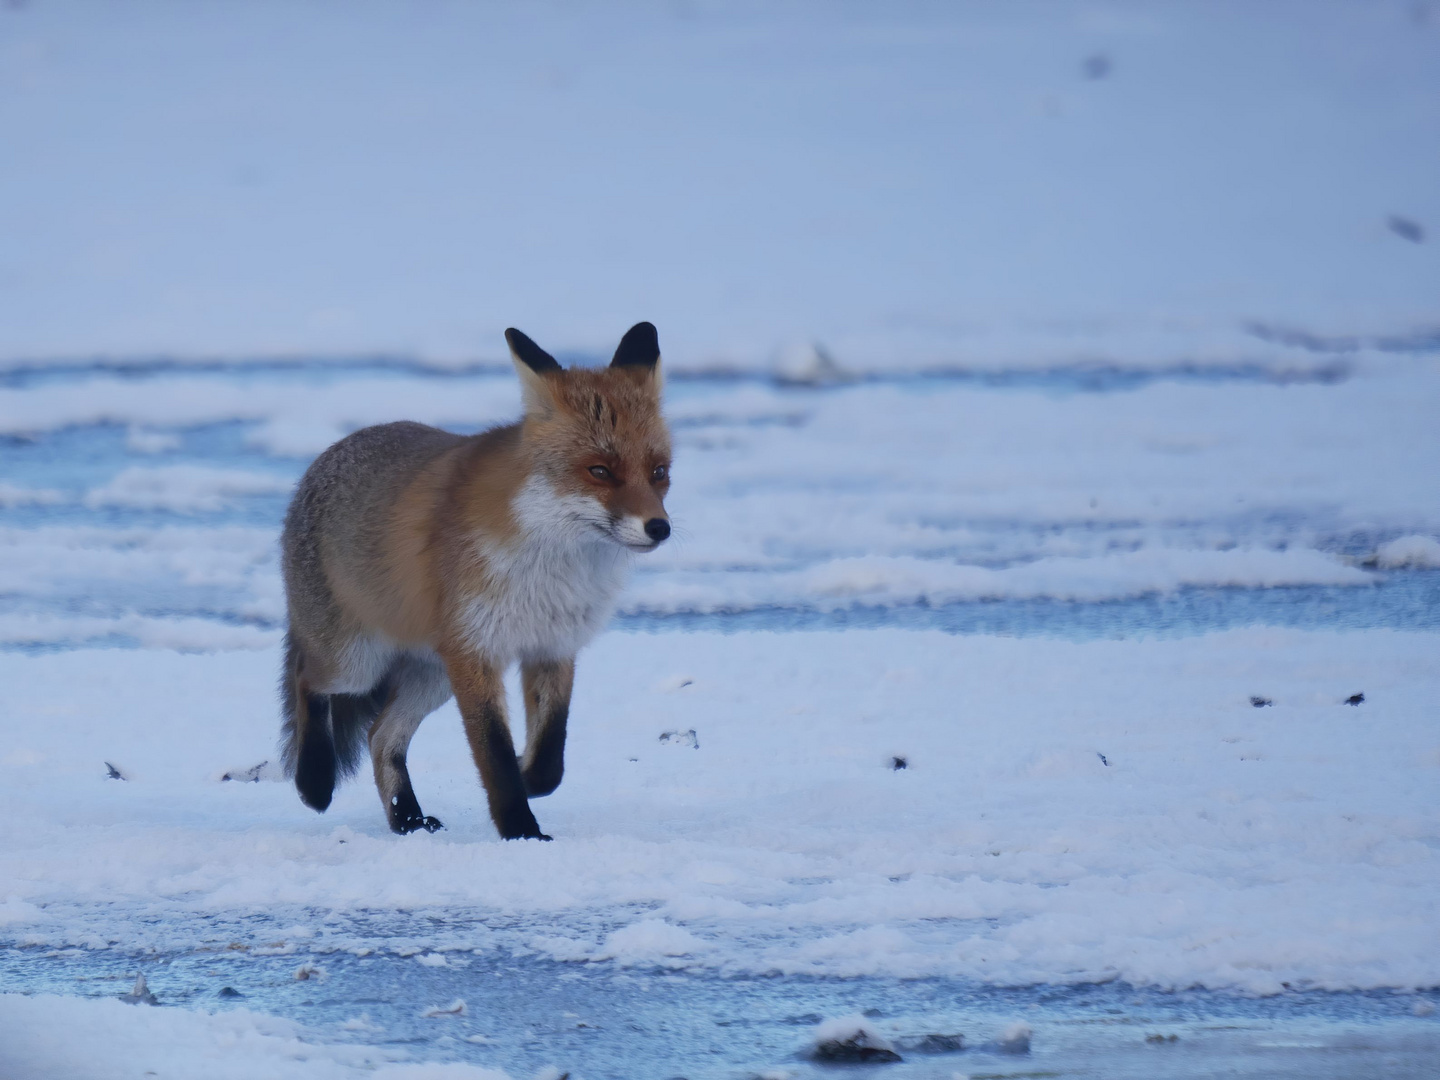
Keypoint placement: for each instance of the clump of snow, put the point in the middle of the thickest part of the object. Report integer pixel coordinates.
(14, 910)
(1015, 1039)
(1409, 552)
(650, 941)
(432, 959)
(851, 1039)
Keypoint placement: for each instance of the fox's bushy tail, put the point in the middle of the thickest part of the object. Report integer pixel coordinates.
(323, 737)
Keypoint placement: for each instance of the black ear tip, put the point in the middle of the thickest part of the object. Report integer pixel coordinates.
(644, 334)
(535, 358)
(640, 347)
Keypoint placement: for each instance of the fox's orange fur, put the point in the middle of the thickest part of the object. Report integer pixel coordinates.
(419, 564)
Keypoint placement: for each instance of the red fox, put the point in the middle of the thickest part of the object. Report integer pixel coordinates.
(420, 564)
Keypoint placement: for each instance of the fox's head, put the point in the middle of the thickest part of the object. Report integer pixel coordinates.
(597, 436)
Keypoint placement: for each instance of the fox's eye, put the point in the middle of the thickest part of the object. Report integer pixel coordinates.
(660, 473)
(600, 472)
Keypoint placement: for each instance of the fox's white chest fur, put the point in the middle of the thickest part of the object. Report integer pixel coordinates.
(551, 590)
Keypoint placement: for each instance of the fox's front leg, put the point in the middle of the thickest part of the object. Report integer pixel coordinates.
(480, 693)
(547, 685)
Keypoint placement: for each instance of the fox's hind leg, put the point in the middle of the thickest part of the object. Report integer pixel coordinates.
(308, 744)
(547, 685)
(417, 687)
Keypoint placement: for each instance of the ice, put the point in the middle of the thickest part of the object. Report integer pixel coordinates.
(18, 495)
(1010, 316)
(873, 495)
(1221, 844)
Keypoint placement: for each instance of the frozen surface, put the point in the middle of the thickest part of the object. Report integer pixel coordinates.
(1107, 328)
(913, 185)
(1068, 813)
(1172, 505)
(1111, 812)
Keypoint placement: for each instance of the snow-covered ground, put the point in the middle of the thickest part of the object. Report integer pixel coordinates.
(1050, 383)
(1069, 813)
(163, 491)
(915, 185)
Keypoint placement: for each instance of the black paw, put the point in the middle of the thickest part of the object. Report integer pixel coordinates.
(536, 835)
(405, 826)
(531, 832)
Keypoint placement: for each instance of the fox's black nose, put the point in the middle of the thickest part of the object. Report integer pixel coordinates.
(657, 529)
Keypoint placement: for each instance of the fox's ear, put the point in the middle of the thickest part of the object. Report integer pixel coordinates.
(639, 351)
(533, 364)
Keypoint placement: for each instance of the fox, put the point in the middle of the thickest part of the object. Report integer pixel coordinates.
(420, 564)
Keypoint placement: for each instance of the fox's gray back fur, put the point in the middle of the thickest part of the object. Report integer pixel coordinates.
(331, 522)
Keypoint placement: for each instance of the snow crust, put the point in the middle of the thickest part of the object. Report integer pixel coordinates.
(875, 494)
(1070, 812)
(68, 1038)
(911, 186)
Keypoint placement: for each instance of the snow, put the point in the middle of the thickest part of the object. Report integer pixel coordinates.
(39, 1034)
(648, 942)
(911, 185)
(897, 580)
(1014, 306)
(883, 495)
(1015, 1039)
(1409, 551)
(186, 489)
(292, 421)
(1216, 845)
